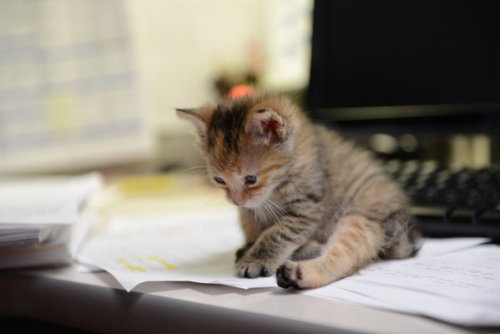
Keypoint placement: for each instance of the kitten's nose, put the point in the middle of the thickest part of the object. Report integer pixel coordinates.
(238, 197)
(239, 201)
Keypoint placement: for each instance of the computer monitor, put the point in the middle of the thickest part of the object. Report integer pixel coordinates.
(400, 64)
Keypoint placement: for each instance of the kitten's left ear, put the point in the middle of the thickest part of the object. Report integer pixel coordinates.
(266, 126)
(198, 117)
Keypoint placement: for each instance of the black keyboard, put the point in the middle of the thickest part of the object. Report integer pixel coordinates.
(449, 202)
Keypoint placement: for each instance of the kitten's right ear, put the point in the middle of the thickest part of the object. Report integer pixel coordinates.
(266, 126)
(198, 117)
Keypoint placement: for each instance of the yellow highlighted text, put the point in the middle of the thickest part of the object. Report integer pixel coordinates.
(166, 265)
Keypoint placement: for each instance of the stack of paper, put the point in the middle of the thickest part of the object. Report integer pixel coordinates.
(38, 216)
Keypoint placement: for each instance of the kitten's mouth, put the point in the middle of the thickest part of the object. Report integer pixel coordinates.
(250, 205)
(236, 201)
(247, 203)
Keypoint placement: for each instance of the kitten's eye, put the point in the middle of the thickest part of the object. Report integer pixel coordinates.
(219, 180)
(250, 179)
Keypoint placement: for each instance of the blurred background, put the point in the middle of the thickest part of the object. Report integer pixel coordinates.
(93, 84)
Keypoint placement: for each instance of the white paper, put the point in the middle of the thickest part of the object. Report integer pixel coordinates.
(53, 201)
(39, 216)
(10, 232)
(190, 246)
(462, 286)
(456, 280)
(472, 275)
(411, 301)
(433, 247)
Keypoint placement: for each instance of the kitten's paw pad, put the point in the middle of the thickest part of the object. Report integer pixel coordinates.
(289, 275)
(254, 269)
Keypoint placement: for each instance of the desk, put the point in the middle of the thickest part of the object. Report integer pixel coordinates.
(95, 302)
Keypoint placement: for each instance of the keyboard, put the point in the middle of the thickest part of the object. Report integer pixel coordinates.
(451, 202)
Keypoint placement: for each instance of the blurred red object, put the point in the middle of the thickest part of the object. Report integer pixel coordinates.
(240, 91)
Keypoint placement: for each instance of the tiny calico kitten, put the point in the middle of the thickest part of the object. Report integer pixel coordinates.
(313, 207)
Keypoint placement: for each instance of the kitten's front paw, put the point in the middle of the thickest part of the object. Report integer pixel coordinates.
(242, 251)
(251, 268)
(289, 275)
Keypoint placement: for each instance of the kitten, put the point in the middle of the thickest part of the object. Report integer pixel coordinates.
(313, 207)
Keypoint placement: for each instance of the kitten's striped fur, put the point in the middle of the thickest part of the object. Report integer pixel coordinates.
(320, 208)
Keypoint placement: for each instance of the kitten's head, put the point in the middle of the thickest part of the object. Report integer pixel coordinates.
(247, 144)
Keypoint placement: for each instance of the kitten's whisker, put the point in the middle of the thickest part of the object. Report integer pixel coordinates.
(279, 209)
(257, 213)
(195, 168)
(265, 210)
(273, 210)
(260, 214)
(276, 206)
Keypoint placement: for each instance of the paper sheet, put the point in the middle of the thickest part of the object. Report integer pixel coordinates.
(187, 247)
(472, 275)
(462, 286)
(410, 301)
(453, 280)
(45, 201)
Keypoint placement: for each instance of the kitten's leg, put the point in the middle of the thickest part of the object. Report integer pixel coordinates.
(356, 242)
(251, 229)
(240, 252)
(309, 251)
(277, 243)
(272, 248)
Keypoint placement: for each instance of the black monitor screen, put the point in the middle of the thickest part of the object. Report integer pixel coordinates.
(404, 52)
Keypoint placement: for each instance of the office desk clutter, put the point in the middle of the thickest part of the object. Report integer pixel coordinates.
(42, 220)
(171, 228)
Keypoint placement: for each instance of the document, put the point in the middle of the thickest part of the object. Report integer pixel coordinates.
(194, 237)
(465, 293)
(472, 275)
(191, 246)
(461, 287)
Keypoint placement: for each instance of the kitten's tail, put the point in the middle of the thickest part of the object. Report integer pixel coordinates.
(403, 239)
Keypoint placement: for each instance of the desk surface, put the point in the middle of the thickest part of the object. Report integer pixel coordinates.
(95, 302)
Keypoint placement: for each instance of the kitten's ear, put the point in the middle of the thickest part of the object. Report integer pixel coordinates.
(198, 117)
(266, 126)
